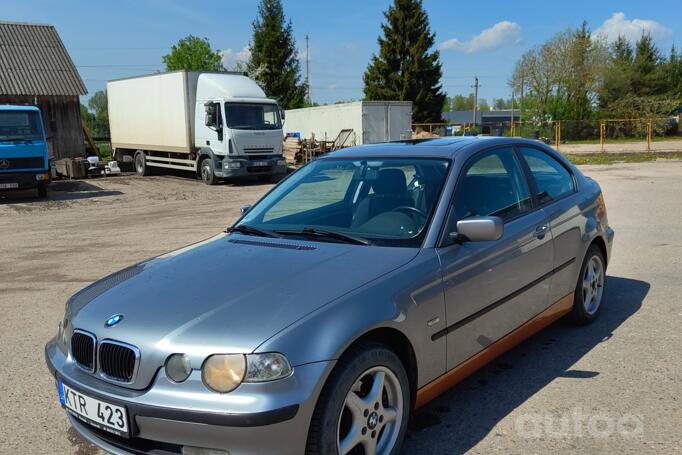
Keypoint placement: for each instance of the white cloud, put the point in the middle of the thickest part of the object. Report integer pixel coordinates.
(632, 30)
(231, 57)
(501, 34)
(333, 86)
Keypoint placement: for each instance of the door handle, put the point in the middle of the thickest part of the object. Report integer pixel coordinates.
(541, 231)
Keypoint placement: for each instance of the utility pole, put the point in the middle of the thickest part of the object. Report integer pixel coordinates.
(307, 71)
(475, 86)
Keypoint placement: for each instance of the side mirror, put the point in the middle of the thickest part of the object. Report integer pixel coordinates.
(245, 208)
(282, 114)
(211, 119)
(479, 229)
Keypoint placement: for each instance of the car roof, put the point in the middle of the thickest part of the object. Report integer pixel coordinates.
(442, 147)
(14, 107)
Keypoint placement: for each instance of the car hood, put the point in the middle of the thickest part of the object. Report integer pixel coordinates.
(227, 294)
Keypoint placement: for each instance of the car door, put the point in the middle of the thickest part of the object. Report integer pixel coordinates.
(493, 287)
(557, 194)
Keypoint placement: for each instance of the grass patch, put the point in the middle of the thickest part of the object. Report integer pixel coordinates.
(614, 158)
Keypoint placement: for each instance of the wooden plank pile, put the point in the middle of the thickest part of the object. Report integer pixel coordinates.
(292, 151)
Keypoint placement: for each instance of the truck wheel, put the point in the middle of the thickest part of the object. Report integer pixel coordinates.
(42, 191)
(141, 164)
(206, 172)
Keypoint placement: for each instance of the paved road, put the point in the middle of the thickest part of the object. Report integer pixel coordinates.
(611, 387)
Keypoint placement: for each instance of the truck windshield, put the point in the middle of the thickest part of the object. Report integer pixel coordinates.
(377, 201)
(20, 126)
(251, 116)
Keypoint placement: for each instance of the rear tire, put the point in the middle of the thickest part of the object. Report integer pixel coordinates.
(590, 289)
(365, 403)
(141, 164)
(206, 172)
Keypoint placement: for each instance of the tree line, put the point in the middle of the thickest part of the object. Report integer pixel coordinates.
(574, 75)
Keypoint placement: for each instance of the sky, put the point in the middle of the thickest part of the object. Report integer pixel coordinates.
(114, 39)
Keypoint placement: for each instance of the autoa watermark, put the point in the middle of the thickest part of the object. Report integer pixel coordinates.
(577, 423)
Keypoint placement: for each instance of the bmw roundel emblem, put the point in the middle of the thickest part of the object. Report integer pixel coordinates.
(113, 320)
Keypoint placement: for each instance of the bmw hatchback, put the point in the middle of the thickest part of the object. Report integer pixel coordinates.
(358, 289)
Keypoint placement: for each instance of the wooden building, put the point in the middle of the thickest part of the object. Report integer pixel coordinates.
(36, 69)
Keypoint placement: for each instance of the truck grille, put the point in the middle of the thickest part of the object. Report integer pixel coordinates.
(37, 162)
(258, 149)
(83, 350)
(118, 361)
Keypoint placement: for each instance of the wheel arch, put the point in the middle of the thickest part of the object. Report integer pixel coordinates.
(601, 244)
(396, 341)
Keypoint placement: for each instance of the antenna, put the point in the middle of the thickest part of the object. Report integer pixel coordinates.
(307, 71)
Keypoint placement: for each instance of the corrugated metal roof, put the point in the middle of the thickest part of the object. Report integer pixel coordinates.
(34, 61)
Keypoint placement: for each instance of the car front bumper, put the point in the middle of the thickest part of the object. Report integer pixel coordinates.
(275, 422)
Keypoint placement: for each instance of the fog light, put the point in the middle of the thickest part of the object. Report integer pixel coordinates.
(178, 367)
(281, 162)
(232, 164)
(187, 450)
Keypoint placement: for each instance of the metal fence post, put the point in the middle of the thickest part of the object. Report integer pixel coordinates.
(602, 133)
(557, 134)
(649, 134)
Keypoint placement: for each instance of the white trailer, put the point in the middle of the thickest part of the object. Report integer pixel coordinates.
(371, 121)
(217, 124)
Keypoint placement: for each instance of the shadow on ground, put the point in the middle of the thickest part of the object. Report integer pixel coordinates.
(62, 190)
(460, 418)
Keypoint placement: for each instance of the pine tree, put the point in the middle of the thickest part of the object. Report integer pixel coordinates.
(274, 58)
(648, 76)
(405, 69)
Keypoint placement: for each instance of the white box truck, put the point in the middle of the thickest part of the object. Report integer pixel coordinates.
(371, 121)
(216, 124)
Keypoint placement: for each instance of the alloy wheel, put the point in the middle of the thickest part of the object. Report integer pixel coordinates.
(372, 414)
(593, 284)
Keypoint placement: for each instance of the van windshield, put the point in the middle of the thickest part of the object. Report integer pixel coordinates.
(252, 116)
(20, 126)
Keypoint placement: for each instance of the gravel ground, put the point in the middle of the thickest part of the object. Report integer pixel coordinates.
(612, 387)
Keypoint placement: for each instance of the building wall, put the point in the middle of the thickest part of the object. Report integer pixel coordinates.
(62, 120)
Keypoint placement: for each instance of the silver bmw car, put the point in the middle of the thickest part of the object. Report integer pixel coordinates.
(356, 290)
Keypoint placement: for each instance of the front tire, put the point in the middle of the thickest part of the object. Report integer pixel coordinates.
(365, 405)
(42, 191)
(589, 291)
(206, 172)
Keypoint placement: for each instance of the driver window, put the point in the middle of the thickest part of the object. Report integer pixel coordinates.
(493, 185)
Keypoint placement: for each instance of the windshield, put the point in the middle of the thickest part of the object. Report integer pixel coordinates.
(20, 126)
(248, 116)
(386, 201)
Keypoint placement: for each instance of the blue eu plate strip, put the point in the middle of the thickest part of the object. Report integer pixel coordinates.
(60, 388)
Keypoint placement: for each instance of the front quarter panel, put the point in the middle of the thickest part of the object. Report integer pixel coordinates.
(405, 300)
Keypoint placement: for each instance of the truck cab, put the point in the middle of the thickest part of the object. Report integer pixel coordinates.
(239, 138)
(24, 160)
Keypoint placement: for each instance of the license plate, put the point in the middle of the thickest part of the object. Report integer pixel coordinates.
(100, 414)
(260, 163)
(8, 186)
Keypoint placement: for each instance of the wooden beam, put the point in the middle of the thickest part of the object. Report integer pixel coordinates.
(90, 141)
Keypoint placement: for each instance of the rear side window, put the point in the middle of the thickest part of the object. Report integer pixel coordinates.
(552, 179)
(493, 185)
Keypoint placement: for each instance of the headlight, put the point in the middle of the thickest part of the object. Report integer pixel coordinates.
(178, 367)
(281, 163)
(266, 367)
(223, 372)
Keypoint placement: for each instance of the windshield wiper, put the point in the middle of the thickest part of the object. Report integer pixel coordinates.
(323, 233)
(250, 230)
